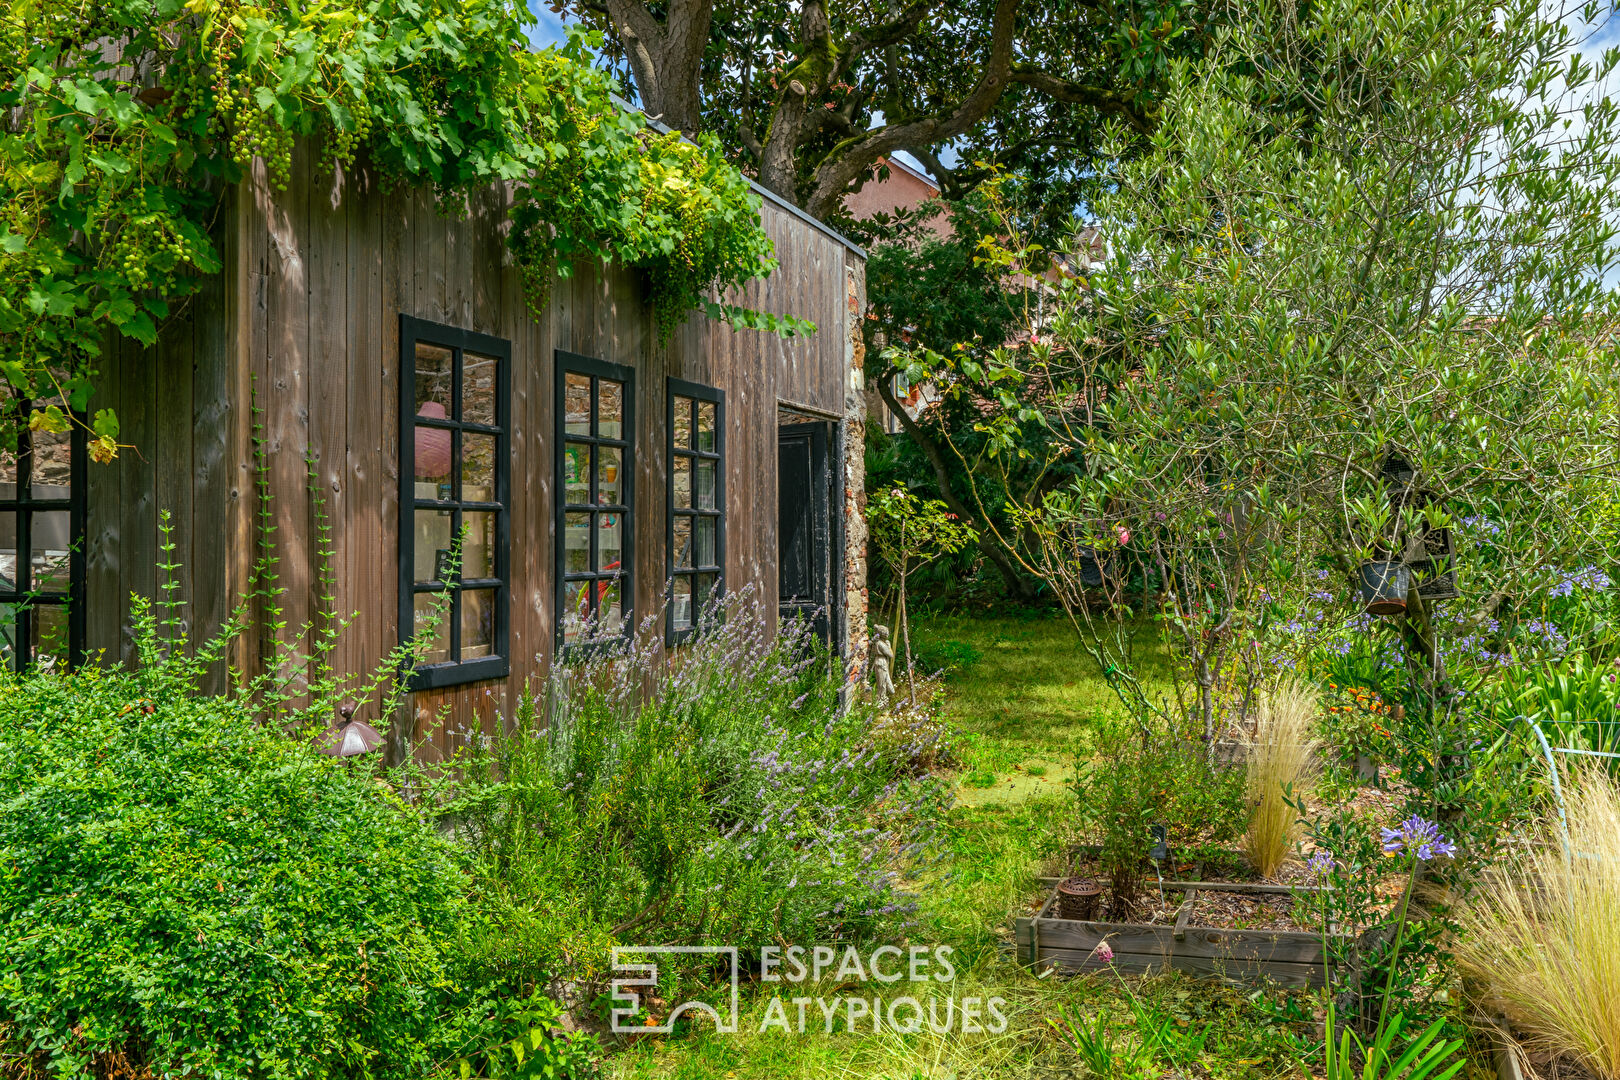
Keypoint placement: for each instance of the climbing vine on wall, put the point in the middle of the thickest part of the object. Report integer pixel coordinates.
(125, 120)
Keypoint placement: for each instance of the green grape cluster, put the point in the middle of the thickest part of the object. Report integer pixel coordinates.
(148, 247)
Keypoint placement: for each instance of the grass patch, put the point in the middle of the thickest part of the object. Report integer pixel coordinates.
(1027, 707)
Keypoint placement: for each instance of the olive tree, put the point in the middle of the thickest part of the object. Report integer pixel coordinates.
(1355, 293)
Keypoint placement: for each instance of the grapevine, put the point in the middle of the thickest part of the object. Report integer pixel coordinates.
(113, 158)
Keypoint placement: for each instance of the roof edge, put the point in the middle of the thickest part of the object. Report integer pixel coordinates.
(763, 192)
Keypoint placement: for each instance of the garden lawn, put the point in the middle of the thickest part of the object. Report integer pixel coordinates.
(1026, 701)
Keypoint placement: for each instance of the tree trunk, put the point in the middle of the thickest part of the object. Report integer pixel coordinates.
(666, 59)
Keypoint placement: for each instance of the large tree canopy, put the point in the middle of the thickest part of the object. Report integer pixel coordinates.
(813, 94)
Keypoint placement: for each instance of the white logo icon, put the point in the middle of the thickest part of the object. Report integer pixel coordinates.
(646, 974)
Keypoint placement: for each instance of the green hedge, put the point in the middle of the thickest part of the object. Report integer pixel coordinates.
(207, 897)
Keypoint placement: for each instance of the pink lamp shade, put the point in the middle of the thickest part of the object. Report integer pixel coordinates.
(432, 444)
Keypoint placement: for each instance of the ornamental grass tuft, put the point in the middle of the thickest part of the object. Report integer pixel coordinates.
(1283, 756)
(1542, 940)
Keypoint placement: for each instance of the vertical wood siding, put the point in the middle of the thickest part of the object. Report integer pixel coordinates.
(306, 321)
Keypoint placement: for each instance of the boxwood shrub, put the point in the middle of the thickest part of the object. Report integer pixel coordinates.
(186, 892)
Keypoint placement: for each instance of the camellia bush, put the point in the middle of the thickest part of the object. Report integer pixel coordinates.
(121, 123)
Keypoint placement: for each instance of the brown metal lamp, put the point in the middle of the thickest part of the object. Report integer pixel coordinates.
(348, 739)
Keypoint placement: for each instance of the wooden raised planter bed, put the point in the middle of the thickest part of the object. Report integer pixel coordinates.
(1290, 958)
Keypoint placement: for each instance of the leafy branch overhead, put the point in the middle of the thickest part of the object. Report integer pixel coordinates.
(125, 121)
(817, 94)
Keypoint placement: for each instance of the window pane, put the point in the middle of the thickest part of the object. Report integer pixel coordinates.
(437, 637)
(477, 623)
(577, 399)
(577, 473)
(478, 388)
(681, 481)
(478, 549)
(680, 604)
(609, 482)
(8, 551)
(680, 434)
(610, 614)
(477, 467)
(10, 614)
(50, 537)
(576, 609)
(705, 484)
(577, 543)
(434, 372)
(610, 409)
(8, 454)
(609, 541)
(432, 546)
(432, 462)
(705, 427)
(48, 633)
(51, 475)
(703, 529)
(703, 598)
(681, 546)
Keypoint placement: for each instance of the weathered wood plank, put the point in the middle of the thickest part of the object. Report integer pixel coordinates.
(365, 560)
(138, 506)
(1282, 973)
(212, 418)
(398, 292)
(286, 403)
(1279, 945)
(103, 584)
(172, 447)
(330, 370)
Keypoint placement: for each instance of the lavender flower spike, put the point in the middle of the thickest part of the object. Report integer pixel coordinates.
(1420, 838)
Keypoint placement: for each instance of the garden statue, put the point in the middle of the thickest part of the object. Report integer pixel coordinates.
(882, 661)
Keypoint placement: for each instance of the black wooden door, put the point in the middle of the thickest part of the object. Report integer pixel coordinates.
(804, 526)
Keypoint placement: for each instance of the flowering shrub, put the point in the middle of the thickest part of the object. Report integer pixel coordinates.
(731, 800)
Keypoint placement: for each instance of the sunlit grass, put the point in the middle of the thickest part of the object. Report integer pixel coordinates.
(1027, 709)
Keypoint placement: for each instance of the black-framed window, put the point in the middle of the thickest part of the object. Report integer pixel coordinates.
(696, 538)
(42, 530)
(455, 481)
(595, 516)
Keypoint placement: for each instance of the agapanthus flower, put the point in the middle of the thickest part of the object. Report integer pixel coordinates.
(1320, 864)
(1420, 838)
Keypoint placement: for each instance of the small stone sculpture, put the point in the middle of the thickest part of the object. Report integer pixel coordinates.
(882, 662)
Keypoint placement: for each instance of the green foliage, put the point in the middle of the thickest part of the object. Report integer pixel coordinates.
(1387, 1057)
(201, 893)
(739, 803)
(946, 654)
(109, 182)
(1576, 702)
(1135, 783)
(530, 1043)
(1340, 223)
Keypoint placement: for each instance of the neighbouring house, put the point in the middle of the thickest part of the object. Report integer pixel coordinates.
(365, 380)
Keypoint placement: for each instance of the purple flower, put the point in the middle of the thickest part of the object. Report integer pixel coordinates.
(1420, 838)
(1320, 864)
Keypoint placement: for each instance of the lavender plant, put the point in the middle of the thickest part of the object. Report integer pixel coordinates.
(719, 794)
